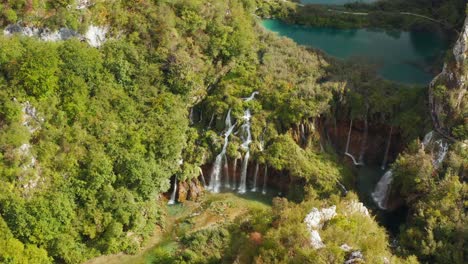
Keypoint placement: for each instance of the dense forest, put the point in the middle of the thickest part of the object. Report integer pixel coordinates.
(96, 131)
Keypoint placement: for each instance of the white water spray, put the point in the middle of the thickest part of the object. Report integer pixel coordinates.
(215, 179)
(381, 190)
(174, 192)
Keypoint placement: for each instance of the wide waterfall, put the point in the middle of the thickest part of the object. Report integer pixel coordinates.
(382, 189)
(215, 179)
(246, 140)
(174, 191)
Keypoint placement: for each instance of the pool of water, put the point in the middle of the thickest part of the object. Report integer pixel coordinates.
(405, 57)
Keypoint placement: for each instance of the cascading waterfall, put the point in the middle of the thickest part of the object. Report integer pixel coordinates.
(347, 146)
(227, 183)
(265, 178)
(174, 191)
(247, 139)
(387, 149)
(382, 189)
(215, 179)
(254, 188)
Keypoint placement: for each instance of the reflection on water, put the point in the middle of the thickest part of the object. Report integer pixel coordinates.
(404, 57)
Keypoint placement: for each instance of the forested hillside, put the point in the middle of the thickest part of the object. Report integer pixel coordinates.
(96, 125)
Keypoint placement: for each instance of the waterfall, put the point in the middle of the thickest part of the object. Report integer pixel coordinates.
(174, 191)
(254, 188)
(265, 178)
(227, 183)
(202, 177)
(211, 120)
(303, 136)
(442, 152)
(342, 187)
(427, 138)
(251, 97)
(234, 170)
(381, 190)
(384, 162)
(191, 116)
(349, 136)
(347, 146)
(215, 179)
(246, 139)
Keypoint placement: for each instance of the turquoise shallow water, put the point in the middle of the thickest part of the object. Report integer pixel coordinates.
(334, 2)
(404, 57)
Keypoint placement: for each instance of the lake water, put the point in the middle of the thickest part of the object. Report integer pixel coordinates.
(404, 57)
(334, 2)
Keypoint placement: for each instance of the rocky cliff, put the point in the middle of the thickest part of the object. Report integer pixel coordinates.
(447, 92)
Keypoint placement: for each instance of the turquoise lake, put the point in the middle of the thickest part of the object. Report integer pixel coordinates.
(334, 2)
(404, 57)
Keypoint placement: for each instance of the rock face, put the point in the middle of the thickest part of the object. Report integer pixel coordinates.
(189, 190)
(315, 220)
(447, 92)
(95, 35)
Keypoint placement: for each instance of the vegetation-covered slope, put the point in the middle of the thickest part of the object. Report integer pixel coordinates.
(90, 137)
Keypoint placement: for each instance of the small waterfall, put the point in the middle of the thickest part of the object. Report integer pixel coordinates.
(342, 187)
(254, 188)
(212, 118)
(234, 170)
(349, 136)
(227, 183)
(202, 177)
(427, 138)
(173, 195)
(384, 162)
(364, 142)
(251, 97)
(243, 180)
(215, 179)
(265, 178)
(191, 116)
(347, 146)
(382, 189)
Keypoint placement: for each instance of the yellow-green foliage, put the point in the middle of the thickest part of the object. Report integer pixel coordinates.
(288, 240)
